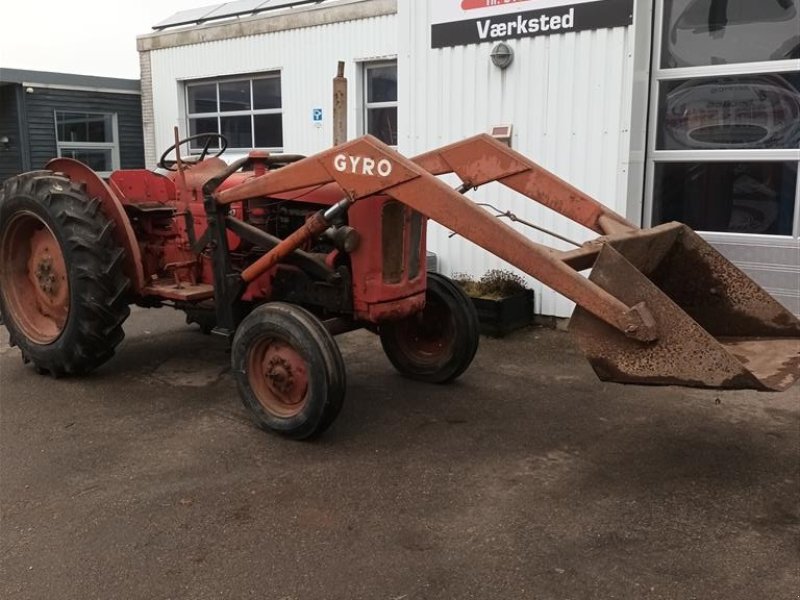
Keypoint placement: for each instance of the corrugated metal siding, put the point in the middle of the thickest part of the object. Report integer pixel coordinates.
(10, 158)
(569, 99)
(41, 107)
(306, 58)
(774, 265)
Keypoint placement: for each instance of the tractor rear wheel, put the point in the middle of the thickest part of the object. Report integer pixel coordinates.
(437, 344)
(289, 371)
(62, 290)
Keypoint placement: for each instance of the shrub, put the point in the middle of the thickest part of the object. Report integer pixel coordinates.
(495, 284)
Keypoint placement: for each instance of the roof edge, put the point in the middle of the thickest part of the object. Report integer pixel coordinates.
(312, 16)
(68, 80)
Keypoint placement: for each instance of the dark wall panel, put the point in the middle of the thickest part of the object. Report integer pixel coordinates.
(42, 104)
(11, 158)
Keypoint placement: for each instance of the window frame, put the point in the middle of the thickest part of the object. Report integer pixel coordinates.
(367, 105)
(61, 146)
(219, 114)
(659, 75)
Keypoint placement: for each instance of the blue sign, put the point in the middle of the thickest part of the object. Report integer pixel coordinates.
(316, 116)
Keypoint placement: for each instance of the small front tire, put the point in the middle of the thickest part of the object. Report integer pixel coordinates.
(289, 371)
(437, 344)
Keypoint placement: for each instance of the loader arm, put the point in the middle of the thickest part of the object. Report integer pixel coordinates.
(482, 159)
(366, 166)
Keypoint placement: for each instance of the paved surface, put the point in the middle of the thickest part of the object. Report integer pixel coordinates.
(527, 479)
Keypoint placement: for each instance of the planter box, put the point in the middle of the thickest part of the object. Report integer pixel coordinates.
(500, 317)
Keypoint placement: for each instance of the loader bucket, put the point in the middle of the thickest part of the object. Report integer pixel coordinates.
(717, 328)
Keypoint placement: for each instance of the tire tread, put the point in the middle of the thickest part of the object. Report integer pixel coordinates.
(98, 287)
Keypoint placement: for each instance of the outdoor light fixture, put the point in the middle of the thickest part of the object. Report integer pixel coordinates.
(502, 55)
(5, 142)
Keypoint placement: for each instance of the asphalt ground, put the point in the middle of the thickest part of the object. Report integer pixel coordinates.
(527, 478)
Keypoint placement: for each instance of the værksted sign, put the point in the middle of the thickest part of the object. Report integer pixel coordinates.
(463, 22)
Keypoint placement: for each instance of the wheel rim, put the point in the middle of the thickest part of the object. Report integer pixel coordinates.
(429, 336)
(278, 376)
(33, 279)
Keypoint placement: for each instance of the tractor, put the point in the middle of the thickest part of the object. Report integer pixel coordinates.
(280, 253)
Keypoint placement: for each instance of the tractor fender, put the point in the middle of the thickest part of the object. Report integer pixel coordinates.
(112, 207)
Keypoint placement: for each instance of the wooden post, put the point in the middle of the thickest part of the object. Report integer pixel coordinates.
(339, 106)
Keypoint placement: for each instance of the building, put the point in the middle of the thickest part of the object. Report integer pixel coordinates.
(662, 109)
(97, 120)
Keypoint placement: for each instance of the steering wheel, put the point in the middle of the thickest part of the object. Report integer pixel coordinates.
(209, 137)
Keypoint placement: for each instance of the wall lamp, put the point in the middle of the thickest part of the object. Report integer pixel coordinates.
(502, 55)
(5, 142)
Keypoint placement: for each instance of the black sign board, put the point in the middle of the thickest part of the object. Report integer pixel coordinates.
(562, 19)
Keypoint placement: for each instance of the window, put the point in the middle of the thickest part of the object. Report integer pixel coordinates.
(713, 32)
(88, 137)
(755, 197)
(380, 101)
(248, 112)
(727, 112)
(725, 148)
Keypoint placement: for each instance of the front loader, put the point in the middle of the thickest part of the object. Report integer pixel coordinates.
(279, 253)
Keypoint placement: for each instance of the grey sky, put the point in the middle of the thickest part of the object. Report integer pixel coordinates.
(91, 37)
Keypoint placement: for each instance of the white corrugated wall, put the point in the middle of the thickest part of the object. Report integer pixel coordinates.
(569, 99)
(307, 59)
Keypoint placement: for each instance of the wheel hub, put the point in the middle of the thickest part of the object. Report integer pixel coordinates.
(279, 377)
(279, 373)
(46, 277)
(34, 280)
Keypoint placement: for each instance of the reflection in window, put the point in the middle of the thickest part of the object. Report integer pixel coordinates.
(744, 111)
(735, 197)
(98, 160)
(84, 127)
(202, 98)
(246, 111)
(382, 123)
(204, 125)
(269, 133)
(380, 102)
(234, 95)
(87, 137)
(711, 32)
(238, 131)
(267, 93)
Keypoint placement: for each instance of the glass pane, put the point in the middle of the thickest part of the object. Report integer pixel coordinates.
(382, 123)
(269, 131)
(238, 130)
(204, 125)
(99, 160)
(83, 127)
(713, 32)
(753, 197)
(234, 95)
(742, 111)
(203, 98)
(382, 84)
(267, 93)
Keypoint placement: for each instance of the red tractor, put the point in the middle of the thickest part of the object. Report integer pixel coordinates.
(279, 253)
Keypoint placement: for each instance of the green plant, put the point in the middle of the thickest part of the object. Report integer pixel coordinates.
(495, 284)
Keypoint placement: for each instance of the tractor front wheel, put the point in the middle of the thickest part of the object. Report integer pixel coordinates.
(63, 295)
(289, 371)
(437, 344)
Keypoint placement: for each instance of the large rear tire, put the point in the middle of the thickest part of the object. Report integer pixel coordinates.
(289, 371)
(62, 289)
(438, 344)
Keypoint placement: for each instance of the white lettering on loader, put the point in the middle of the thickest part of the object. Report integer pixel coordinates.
(362, 165)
